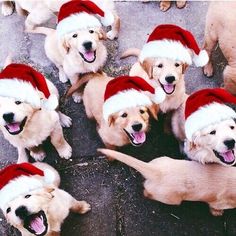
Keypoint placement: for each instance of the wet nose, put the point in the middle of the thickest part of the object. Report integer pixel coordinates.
(8, 117)
(21, 212)
(87, 45)
(170, 79)
(137, 127)
(230, 143)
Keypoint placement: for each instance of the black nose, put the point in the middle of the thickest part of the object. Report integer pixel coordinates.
(137, 127)
(230, 143)
(170, 79)
(8, 117)
(21, 212)
(87, 45)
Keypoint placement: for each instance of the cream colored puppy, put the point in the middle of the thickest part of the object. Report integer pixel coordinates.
(172, 181)
(36, 206)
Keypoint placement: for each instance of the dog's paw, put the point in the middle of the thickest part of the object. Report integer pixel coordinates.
(180, 4)
(77, 97)
(83, 207)
(65, 152)
(112, 35)
(7, 10)
(208, 70)
(62, 77)
(65, 120)
(216, 212)
(165, 5)
(38, 156)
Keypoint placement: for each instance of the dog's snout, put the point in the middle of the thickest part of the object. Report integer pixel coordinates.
(229, 143)
(87, 45)
(21, 212)
(170, 79)
(8, 117)
(137, 127)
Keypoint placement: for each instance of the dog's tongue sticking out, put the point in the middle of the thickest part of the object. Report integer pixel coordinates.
(89, 56)
(169, 88)
(139, 137)
(14, 127)
(228, 156)
(37, 224)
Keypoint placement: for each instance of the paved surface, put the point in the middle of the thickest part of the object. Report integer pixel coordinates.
(114, 190)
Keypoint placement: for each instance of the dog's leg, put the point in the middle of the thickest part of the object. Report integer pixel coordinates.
(81, 207)
(229, 75)
(22, 156)
(65, 120)
(62, 76)
(7, 8)
(180, 4)
(20, 11)
(216, 212)
(37, 153)
(165, 5)
(57, 139)
(115, 28)
(77, 96)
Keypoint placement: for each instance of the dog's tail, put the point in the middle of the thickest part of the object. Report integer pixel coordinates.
(42, 30)
(131, 52)
(144, 168)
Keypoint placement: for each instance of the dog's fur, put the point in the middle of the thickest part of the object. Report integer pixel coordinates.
(221, 28)
(206, 142)
(55, 202)
(172, 181)
(39, 12)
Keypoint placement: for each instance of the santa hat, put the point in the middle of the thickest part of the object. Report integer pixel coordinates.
(207, 107)
(19, 179)
(127, 91)
(27, 85)
(81, 14)
(171, 41)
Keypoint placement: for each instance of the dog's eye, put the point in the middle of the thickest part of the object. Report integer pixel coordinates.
(124, 115)
(27, 196)
(18, 102)
(74, 35)
(231, 127)
(177, 64)
(213, 132)
(8, 210)
(141, 111)
(91, 31)
(160, 66)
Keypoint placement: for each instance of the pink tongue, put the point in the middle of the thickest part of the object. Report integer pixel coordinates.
(169, 88)
(89, 56)
(14, 127)
(37, 225)
(139, 137)
(228, 156)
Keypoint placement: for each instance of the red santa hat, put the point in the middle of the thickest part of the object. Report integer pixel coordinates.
(27, 85)
(176, 43)
(81, 14)
(207, 107)
(128, 91)
(20, 179)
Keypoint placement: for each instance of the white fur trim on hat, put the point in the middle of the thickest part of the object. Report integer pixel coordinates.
(159, 96)
(201, 59)
(51, 103)
(123, 100)
(166, 49)
(20, 90)
(76, 22)
(108, 18)
(207, 115)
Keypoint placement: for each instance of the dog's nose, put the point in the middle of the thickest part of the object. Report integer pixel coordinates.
(170, 79)
(229, 143)
(8, 117)
(87, 45)
(137, 127)
(21, 212)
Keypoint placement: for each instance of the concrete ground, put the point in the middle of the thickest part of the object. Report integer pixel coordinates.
(113, 189)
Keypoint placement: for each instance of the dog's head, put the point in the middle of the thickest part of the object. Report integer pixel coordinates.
(30, 212)
(215, 143)
(84, 42)
(165, 72)
(134, 122)
(14, 115)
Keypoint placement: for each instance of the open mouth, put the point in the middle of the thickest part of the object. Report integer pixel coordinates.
(168, 88)
(89, 56)
(36, 223)
(136, 138)
(15, 127)
(227, 157)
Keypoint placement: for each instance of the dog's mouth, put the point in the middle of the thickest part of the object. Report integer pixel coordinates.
(88, 56)
(136, 138)
(36, 223)
(227, 157)
(168, 88)
(15, 128)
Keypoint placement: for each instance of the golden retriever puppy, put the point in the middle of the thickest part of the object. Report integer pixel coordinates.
(27, 112)
(210, 127)
(220, 30)
(32, 202)
(39, 12)
(172, 181)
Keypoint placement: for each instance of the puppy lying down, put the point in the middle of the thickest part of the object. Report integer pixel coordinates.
(32, 202)
(172, 181)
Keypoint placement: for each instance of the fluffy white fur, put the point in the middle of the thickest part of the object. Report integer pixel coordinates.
(205, 116)
(201, 59)
(108, 18)
(123, 100)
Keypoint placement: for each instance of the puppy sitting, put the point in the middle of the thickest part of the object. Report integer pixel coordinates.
(172, 181)
(27, 112)
(210, 127)
(32, 202)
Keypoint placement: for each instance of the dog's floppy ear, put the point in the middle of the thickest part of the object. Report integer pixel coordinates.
(102, 34)
(111, 120)
(184, 67)
(65, 44)
(147, 65)
(153, 109)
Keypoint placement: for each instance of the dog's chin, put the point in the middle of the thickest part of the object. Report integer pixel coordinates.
(36, 224)
(15, 128)
(136, 138)
(168, 88)
(227, 158)
(89, 56)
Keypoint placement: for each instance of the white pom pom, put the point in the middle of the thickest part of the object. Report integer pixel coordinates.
(108, 19)
(159, 96)
(201, 59)
(51, 103)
